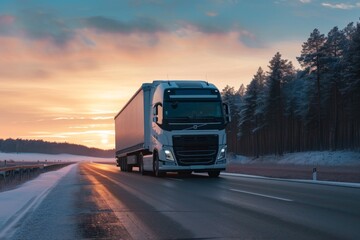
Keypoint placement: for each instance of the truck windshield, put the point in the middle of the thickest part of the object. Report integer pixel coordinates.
(199, 111)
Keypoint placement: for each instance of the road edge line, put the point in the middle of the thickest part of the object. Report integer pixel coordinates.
(329, 183)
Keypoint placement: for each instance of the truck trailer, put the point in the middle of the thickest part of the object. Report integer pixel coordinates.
(173, 126)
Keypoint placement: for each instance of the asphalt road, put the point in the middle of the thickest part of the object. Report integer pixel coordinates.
(109, 204)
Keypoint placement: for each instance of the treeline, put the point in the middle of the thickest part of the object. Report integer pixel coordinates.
(40, 146)
(317, 107)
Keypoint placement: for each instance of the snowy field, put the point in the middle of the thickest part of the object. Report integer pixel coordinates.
(34, 157)
(18, 202)
(320, 158)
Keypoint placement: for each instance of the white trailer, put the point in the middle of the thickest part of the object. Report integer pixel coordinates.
(173, 126)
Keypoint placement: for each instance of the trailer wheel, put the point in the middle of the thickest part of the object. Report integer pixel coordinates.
(123, 164)
(141, 164)
(118, 163)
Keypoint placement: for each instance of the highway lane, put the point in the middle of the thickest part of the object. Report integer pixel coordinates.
(97, 201)
(199, 207)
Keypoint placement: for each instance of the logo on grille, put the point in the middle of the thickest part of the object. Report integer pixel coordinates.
(195, 126)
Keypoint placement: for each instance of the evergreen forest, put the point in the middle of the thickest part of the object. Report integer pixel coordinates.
(39, 146)
(317, 107)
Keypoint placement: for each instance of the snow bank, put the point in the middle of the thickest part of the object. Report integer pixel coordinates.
(34, 157)
(15, 204)
(321, 158)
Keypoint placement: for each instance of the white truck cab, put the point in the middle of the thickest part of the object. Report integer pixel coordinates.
(177, 126)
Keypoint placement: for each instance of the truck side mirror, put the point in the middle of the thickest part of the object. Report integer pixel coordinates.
(155, 110)
(157, 114)
(227, 113)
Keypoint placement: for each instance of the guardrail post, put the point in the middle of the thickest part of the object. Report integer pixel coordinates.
(314, 174)
(4, 175)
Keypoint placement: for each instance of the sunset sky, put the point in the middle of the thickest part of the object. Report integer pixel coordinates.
(68, 66)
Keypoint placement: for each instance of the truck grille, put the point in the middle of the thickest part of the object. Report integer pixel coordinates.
(195, 149)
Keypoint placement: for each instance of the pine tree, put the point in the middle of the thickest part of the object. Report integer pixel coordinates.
(334, 48)
(281, 72)
(311, 59)
(296, 94)
(248, 124)
(232, 98)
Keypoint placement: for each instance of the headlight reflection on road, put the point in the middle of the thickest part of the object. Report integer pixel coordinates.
(105, 167)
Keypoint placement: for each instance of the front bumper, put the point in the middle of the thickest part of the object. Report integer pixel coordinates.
(167, 166)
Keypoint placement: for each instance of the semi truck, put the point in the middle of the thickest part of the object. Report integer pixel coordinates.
(173, 126)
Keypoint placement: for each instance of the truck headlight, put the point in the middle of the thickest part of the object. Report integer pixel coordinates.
(168, 155)
(222, 153)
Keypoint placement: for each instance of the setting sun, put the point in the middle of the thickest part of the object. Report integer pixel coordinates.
(104, 140)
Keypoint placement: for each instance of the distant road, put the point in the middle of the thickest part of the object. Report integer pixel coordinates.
(98, 201)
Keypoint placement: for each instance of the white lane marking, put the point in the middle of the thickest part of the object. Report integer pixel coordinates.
(261, 195)
(330, 183)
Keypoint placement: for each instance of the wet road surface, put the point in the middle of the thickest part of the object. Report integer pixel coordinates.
(97, 201)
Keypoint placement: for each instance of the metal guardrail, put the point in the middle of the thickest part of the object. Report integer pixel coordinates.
(13, 175)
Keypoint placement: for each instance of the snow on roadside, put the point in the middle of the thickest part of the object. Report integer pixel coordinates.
(321, 158)
(16, 203)
(34, 157)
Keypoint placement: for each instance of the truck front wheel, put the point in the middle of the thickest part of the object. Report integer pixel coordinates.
(156, 165)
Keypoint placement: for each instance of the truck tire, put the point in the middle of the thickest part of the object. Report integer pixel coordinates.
(214, 174)
(123, 165)
(141, 164)
(118, 163)
(156, 163)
